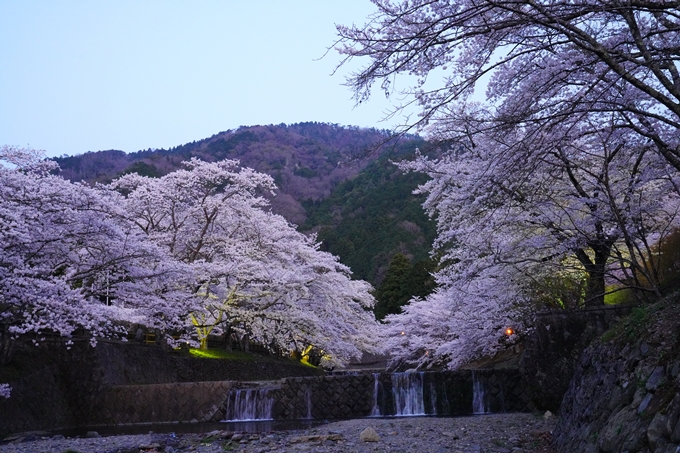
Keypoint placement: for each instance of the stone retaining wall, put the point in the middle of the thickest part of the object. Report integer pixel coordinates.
(38, 401)
(73, 388)
(444, 393)
(553, 349)
(625, 394)
(161, 403)
(339, 396)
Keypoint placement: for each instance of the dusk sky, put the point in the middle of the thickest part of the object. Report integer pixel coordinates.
(80, 76)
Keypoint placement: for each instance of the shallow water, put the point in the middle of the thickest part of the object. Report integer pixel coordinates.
(256, 426)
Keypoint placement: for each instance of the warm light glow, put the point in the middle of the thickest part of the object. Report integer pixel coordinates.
(403, 333)
(509, 331)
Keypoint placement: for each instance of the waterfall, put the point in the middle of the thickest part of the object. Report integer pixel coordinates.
(478, 400)
(250, 404)
(407, 390)
(375, 412)
(433, 398)
(308, 400)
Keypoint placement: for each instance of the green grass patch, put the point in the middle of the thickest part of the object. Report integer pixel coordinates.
(221, 354)
(631, 327)
(240, 355)
(623, 296)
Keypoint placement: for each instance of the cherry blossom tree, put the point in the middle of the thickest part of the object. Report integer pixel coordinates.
(196, 246)
(570, 164)
(255, 275)
(594, 204)
(69, 260)
(545, 61)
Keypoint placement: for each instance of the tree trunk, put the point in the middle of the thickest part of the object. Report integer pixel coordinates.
(245, 343)
(228, 346)
(7, 341)
(596, 271)
(596, 286)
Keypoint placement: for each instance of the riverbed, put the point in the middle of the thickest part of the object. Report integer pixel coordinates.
(500, 433)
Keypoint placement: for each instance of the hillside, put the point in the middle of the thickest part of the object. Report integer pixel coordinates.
(307, 160)
(333, 180)
(368, 219)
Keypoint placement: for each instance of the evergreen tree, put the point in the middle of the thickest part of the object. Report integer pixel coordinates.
(402, 282)
(392, 294)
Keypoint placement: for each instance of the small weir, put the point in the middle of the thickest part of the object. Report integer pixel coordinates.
(308, 403)
(444, 393)
(307, 400)
(250, 404)
(407, 394)
(406, 397)
(479, 405)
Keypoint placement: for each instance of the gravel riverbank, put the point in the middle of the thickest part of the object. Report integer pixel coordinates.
(500, 433)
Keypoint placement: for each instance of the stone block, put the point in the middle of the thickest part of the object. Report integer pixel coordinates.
(657, 430)
(655, 378)
(675, 434)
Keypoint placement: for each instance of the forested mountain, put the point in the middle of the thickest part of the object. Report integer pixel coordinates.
(307, 160)
(334, 180)
(370, 218)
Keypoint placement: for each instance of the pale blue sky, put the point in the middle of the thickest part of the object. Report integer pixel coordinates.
(88, 75)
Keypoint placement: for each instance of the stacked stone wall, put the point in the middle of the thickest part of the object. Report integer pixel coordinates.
(444, 393)
(625, 394)
(553, 349)
(334, 396)
(69, 392)
(161, 403)
(38, 401)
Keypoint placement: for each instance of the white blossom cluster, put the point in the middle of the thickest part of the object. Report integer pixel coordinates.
(193, 252)
(503, 225)
(567, 169)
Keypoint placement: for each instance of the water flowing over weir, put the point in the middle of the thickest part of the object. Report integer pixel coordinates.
(250, 404)
(336, 396)
(445, 393)
(375, 411)
(479, 405)
(308, 402)
(407, 389)
(420, 393)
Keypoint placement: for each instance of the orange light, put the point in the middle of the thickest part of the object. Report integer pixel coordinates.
(509, 331)
(403, 333)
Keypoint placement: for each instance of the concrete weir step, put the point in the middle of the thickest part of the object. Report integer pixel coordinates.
(319, 397)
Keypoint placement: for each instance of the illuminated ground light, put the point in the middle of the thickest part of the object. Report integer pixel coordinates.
(509, 331)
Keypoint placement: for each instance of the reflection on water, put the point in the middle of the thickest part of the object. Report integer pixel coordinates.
(263, 426)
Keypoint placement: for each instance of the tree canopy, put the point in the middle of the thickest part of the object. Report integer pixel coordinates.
(190, 252)
(254, 273)
(566, 171)
(546, 62)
